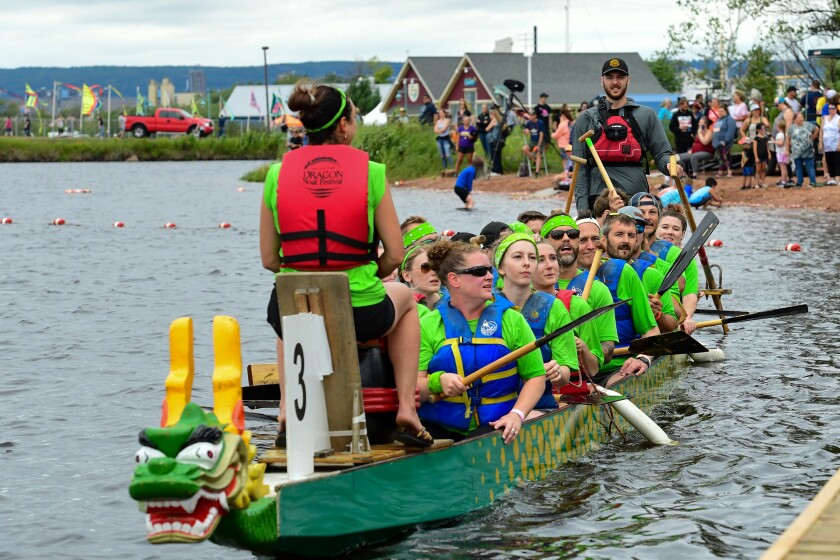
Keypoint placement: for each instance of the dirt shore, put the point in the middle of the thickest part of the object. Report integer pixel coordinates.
(819, 198)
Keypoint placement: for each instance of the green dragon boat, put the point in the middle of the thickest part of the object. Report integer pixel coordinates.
(197, 477)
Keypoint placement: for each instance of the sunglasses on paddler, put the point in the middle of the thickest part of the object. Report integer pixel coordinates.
(557, 234)
(426, 267)
(477, 271)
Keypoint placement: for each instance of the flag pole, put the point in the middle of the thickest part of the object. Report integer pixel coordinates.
(53, 105)
(109, 110)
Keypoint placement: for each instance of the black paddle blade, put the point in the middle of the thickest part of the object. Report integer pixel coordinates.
(577, 322)
(676, 342)
(689, 251)
(720, 312)
(261, 394)
(783, 312)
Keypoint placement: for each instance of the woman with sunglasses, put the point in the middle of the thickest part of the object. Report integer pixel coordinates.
(417, 273)
(587, 342)
(516, 261)
(296, 216)
(466, 333)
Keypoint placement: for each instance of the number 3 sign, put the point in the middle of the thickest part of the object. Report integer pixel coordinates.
(307, 361)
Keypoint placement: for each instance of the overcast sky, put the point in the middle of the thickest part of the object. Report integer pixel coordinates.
(231, 33)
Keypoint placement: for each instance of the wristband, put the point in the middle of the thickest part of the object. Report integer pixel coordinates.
(644, 359)
(434, 382)
(519, 413)
(658, 315)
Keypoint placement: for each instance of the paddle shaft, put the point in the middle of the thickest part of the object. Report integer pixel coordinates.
(578, 162)
(782, 312)
(704, 261)
(593, 270)
(586, 138)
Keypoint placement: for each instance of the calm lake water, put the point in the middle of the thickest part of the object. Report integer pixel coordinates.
(85, 310)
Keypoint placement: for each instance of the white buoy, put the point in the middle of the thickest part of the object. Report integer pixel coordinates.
(713, 355)
(638, 419)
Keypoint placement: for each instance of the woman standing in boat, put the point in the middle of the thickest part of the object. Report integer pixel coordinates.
(417, 273)
(516, 261)
(467, 333)
(323, 210)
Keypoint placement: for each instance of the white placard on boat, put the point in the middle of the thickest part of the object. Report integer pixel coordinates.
(307, 361)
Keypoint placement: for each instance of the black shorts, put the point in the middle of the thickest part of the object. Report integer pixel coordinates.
(466, 149)
(371, 321)
(462, 194)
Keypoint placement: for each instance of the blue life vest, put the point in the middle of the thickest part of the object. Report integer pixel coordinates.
(660, 248)
(536, 311)
(463, 352)
(577, 283)
(609, 274)
(640, 265)
(647, 257)
(700, 196)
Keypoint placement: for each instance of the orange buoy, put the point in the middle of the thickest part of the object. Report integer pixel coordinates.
(169, 225)
(448, 232)
(119, 224)
(58, 222)
(224, 225)
(714, 243)
(795, 247)
(6, 221)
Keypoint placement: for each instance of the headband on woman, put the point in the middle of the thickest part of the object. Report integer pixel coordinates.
(337, 115)
(414, 235)
(510, 240)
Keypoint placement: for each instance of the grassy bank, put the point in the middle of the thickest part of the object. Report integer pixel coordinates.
(186, 148)
(410, 152)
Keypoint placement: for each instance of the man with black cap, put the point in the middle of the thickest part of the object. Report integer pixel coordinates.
(624, 132)
(791, 99)
(543, 111)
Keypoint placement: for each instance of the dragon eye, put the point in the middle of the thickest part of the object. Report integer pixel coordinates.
(146, 454)
(203, 454)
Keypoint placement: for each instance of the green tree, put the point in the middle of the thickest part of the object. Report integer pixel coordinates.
(381, 74)
(668, 71)
(331, 78)
(760, 73)
(364, 97)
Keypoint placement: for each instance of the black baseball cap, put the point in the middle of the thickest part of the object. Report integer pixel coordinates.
(462, 236)
(491, 232)
(543, 95)
(615, 64)
(791, 88)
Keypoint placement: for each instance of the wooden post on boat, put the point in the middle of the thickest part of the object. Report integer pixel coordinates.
(704, 261)
(328, 294)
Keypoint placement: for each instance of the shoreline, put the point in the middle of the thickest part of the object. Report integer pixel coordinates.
(826, 199)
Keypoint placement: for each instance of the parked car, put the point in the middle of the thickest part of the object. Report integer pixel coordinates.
(168, 120)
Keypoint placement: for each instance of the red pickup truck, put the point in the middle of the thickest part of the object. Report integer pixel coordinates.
(168, 120)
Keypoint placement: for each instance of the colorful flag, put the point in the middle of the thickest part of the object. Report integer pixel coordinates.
(71, 86)
(194, 108)
(112, 88)
(254, 103)
(89, 100)
(141, 104)
(276, 106)
(31, 97)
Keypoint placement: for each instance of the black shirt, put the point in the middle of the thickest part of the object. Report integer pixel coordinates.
(482, 120)
(543, 113)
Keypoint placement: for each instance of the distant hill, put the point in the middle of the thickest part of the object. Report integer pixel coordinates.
(127, 78)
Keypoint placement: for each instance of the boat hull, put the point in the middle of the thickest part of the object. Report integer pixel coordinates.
(364, 505)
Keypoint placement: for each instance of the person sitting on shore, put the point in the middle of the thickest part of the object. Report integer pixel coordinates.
(701, 150)
(461, 336)
(706, 196)
(516, 261)
(361, 214)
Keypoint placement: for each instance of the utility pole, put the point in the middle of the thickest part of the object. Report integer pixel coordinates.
(535, 39)
(568, 39)
(267, 110)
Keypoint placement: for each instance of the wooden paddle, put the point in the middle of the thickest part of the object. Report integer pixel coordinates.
(519, 352)
(783, 312)
(586, 138)
(676, 342)
(578, 162)
(689, 251)
(593, 270)
(704, 261)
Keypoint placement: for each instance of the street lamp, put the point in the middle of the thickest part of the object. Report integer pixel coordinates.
(265, 69)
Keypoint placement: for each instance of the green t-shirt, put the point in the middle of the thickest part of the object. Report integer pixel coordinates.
(630, 286)
(365, 286)
(422, 310)
(652, 280)
(599, 297)
(692, 282)
(587, 332)
(563, 349)
(515, 332)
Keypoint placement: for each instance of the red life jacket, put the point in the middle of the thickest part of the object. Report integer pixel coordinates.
(576, 385)
(322, 208)
(618, 140)
(566, 297)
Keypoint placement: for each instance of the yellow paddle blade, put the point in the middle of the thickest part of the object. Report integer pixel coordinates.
(181, 370)
(227, 374)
